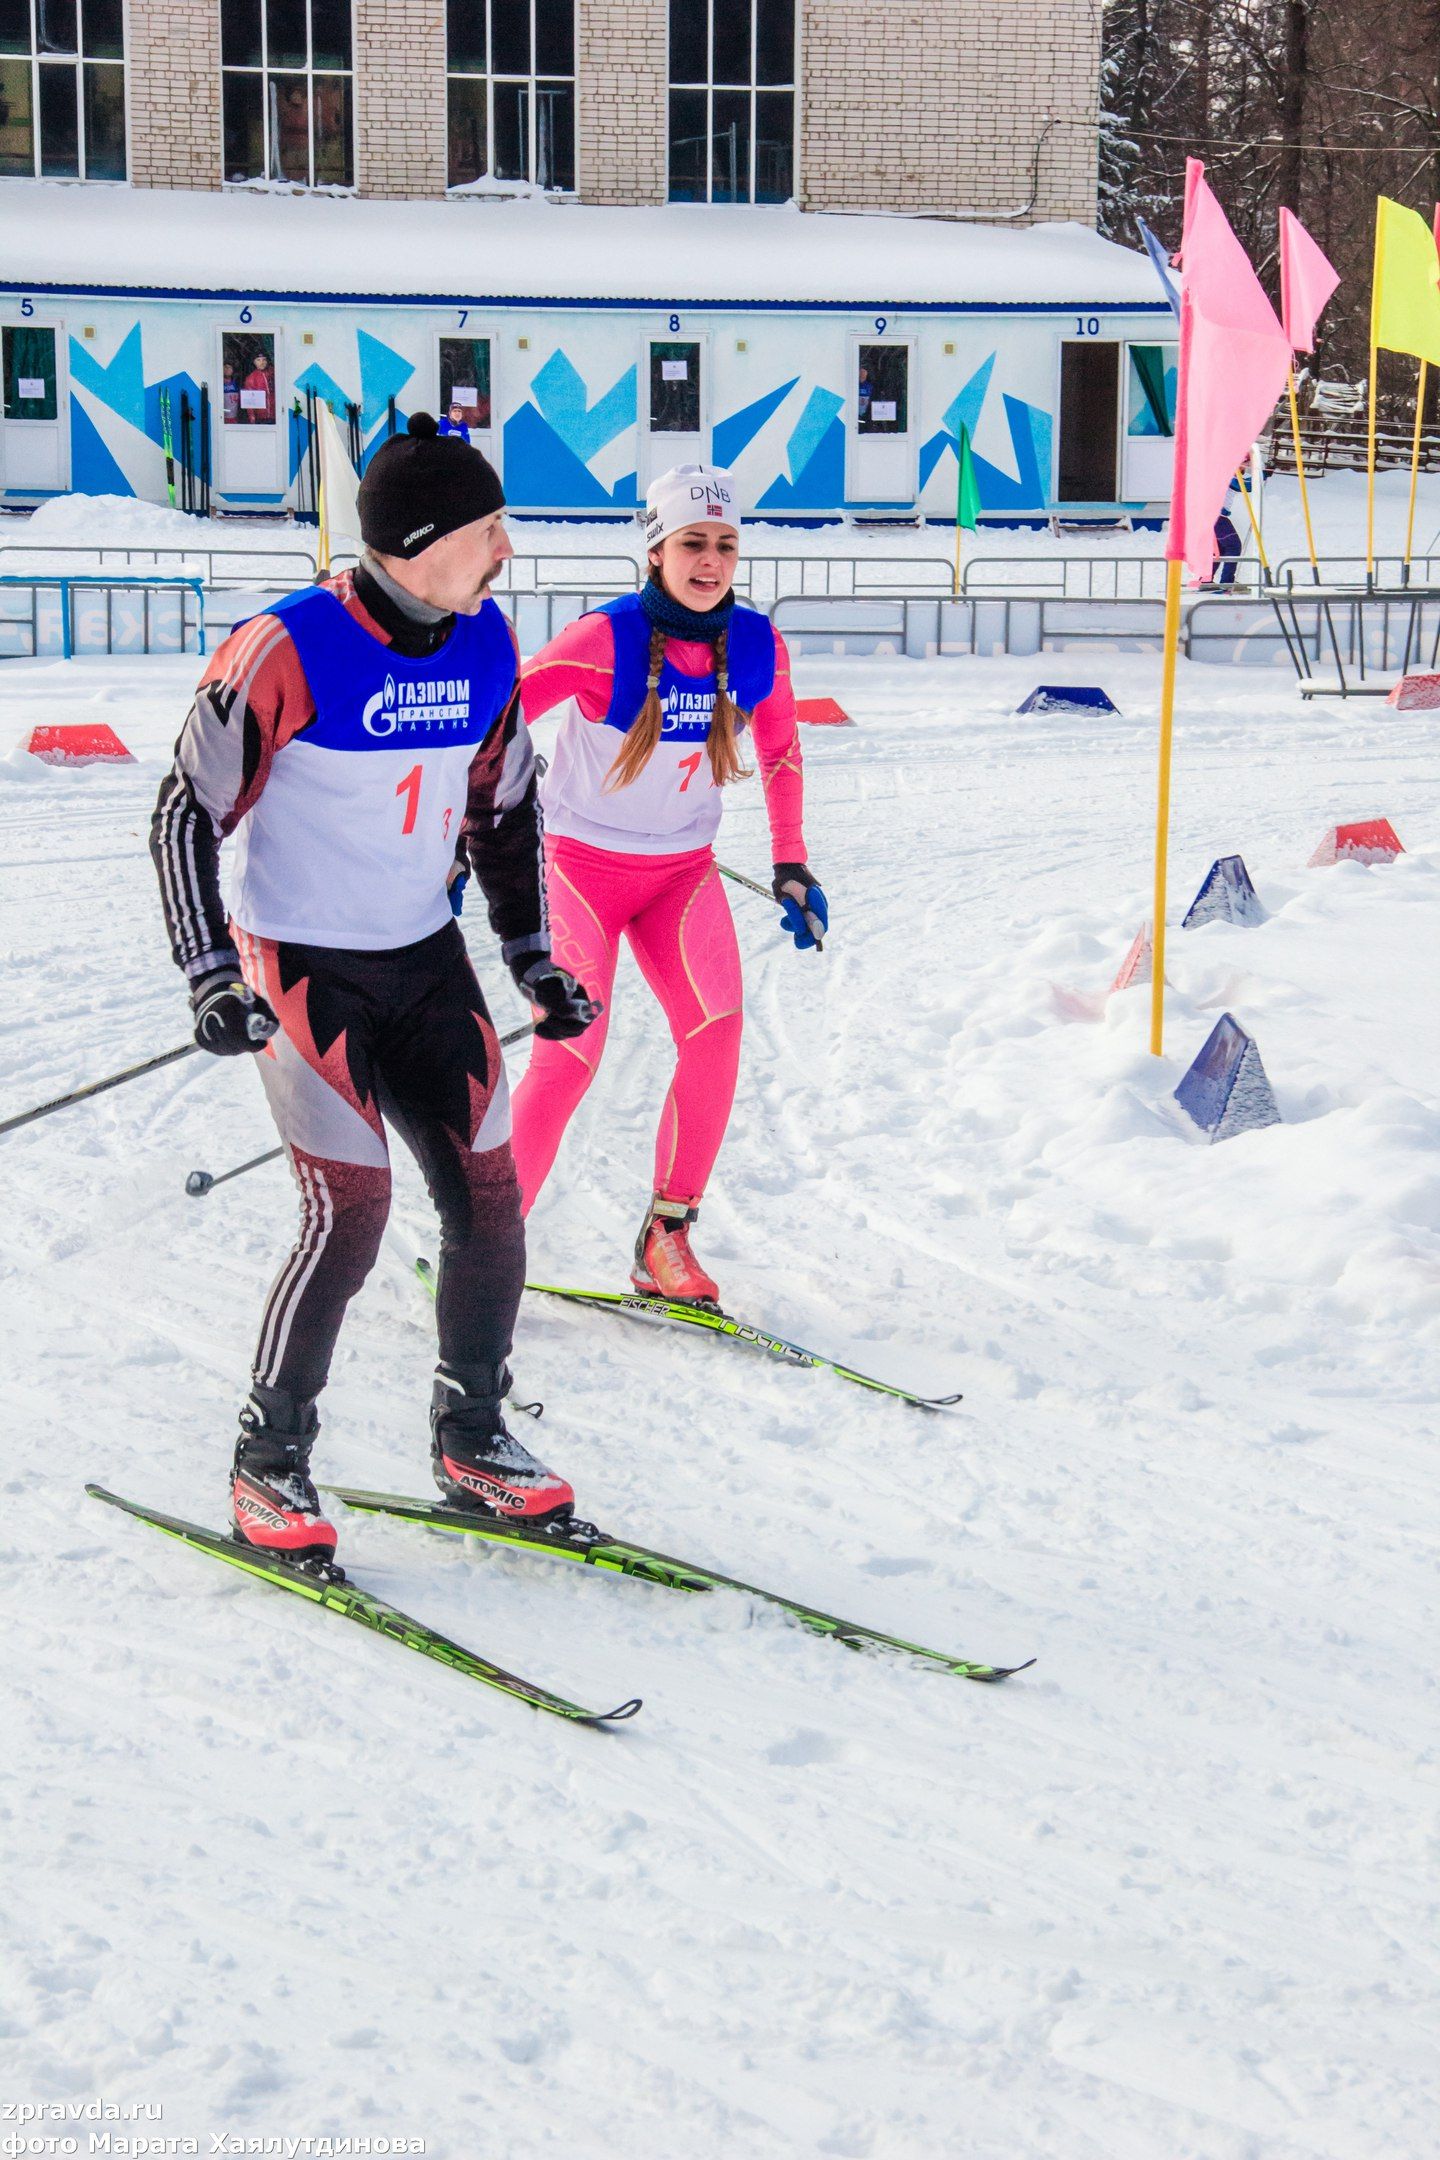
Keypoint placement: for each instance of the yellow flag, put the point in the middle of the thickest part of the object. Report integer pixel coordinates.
(1405, 305)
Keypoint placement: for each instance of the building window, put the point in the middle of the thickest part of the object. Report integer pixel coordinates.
(511, 92)
(288, 78)
(465, 382)
(247, 361)
(882, 390)
(732, 101)
(62, 89)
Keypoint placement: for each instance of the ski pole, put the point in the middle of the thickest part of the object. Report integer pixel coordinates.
(98, 1087)
(738, 877)
(169, 444)
(200, 1182)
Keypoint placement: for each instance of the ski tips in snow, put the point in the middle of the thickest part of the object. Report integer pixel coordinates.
(336, 1594)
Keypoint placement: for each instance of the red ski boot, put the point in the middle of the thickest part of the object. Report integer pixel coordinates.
(480, 1464)
(664, 1264)
(273, 1503)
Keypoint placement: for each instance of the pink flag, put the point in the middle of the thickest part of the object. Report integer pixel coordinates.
(1234, 361)
(1307, 279)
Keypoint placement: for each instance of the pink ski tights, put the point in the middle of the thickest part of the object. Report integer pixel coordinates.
(673, 910)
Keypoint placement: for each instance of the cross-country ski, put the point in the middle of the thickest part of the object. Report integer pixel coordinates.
(330, 1589)
(619, 1556)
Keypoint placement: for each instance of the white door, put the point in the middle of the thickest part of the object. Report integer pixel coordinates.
(252, 421)
(33, 448)
(884, 458)
(676, 429)
(467, 391)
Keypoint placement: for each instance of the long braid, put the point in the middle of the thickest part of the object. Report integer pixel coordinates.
(640, 739)
(725, 722)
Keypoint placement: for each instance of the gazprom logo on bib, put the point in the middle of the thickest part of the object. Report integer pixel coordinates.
(434, 706)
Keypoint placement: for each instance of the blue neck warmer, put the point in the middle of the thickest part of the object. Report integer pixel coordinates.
(701, 627)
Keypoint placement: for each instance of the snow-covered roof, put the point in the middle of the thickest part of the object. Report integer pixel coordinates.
(241, 241)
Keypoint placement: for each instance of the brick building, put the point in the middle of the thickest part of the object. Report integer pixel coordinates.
(816, 241)
(959, 107)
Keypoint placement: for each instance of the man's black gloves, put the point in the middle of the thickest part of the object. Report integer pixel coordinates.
(567, 1008)
(229, 1018)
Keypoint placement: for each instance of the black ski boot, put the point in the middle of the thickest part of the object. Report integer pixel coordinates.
(477, 1462)
(273, 1503)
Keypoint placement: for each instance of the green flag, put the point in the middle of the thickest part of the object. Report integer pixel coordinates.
(967, 487)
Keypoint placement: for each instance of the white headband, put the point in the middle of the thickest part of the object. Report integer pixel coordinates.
(690, 495)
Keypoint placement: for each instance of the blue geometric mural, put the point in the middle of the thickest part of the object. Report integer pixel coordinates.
(729, 438)
(559, 392)
(120, 384)
(1031, 430)
(548, 444)
(93, 471)
(383, 375)
(816, 454)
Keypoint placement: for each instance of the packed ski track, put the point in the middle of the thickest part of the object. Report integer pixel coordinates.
(1163, 1897)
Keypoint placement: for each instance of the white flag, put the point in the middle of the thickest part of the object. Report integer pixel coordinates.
(339, 491)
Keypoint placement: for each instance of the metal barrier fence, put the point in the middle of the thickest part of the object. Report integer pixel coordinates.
(70, 617)
(1082, 577)
(927, 625)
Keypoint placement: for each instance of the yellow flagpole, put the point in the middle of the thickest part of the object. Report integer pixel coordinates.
(1415, 462)
(1162, 806)
(1374, 369)
(1300, 472)
(1255, 526)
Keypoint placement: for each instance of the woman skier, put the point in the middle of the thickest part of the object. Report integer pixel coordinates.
(663, 683)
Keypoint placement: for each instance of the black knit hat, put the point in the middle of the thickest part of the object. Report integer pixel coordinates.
(422, 485)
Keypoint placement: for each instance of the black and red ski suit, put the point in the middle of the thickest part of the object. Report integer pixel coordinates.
(370, 1034)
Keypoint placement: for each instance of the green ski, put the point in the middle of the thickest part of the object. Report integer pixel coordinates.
(353, 1603)
(712, 1321)
(582, 1542)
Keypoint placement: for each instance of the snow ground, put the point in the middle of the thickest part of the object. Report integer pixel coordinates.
(1170, 1896)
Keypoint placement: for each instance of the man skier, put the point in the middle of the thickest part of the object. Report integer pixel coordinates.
(350, 738)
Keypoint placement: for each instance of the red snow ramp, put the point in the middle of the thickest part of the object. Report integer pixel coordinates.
(1373, 840)
(1415, 693)
(93, 743)
(822, 712)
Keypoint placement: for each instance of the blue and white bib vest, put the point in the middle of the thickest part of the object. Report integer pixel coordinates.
(353, 835)
(673, 805)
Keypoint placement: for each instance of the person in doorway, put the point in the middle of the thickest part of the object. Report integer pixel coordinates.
(344, 738)
(259, 407)
(230, 394)
(456, 421)
(665, 684)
